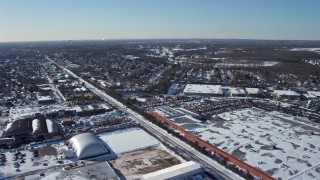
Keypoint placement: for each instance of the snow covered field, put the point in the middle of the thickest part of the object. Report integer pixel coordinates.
(307, 49)
(128, 140)
(278, 145)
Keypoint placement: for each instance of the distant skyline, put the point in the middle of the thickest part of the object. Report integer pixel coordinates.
(42, 20)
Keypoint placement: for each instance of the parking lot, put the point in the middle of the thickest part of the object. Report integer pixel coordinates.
(276, 143)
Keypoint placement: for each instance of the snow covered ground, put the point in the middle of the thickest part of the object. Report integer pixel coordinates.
(307, 49)
(91, 170)
(251, 137)
(128, 140)
(28, 163)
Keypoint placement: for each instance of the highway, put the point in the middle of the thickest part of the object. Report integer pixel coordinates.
(160, 133)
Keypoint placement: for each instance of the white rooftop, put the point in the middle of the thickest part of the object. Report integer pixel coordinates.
(188, 169)
(127, 140)
(253, 90)
(203, 89)
(314, 93)
(309, 96)
(236, 90)
(285, 93)
(44, 98)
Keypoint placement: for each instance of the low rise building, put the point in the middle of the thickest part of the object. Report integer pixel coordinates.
(180, 171)
(203, 89)
(285, 94)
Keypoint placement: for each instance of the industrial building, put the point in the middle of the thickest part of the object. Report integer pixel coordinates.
(87, 146)
(233, 91)
(314, 93)
(203, 89)
(32, 129)
(181, 171)
(253, 92)
(286, 94)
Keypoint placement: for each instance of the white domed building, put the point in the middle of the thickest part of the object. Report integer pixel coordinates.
(87, 146)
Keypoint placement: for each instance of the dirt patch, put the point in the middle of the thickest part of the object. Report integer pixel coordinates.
(311, 175)
(312, 146)
(215, 132)
(218, 144)
(278, 161)
(300, 160)
(268, 155)
(263, 128)
(271, 171)
(299, 132)
(265, 147)
(48, 150)
(257, 142)
(295, 146)
(243, 131)
(265, 135)
(134, 164)
(184, 120)
(248, 146)
(239, 154)
(276, 124)
(191, 126)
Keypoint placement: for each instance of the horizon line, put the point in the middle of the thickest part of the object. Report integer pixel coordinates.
(121, 39)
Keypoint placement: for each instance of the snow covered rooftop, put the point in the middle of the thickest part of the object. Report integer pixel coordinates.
(128, 140)
(309, 96)
(314, 93)
(285, 93)
(202, 89)
(44, 98)
(236, 90)
(180, 171)
(253, 90)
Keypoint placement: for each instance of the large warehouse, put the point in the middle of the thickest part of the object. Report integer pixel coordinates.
(87, 145)
(203, 89)
(33, 129)
(180, 171)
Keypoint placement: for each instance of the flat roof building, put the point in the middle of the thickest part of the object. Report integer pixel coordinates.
(314, 93)
(285, 93)
(180, 171)
(253, 91)
(202, 89)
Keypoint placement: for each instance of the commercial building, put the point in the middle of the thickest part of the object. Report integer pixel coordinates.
(286, 94)
(314, 93)
(181, 171)
(32, 129)
(203, 89)
(253, 92)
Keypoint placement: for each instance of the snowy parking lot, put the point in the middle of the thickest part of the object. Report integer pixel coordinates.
(277, 144)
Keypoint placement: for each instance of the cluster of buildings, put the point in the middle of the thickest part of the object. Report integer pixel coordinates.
(220, 91)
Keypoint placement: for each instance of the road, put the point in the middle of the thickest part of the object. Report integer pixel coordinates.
(195, 155)
(53, 87)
